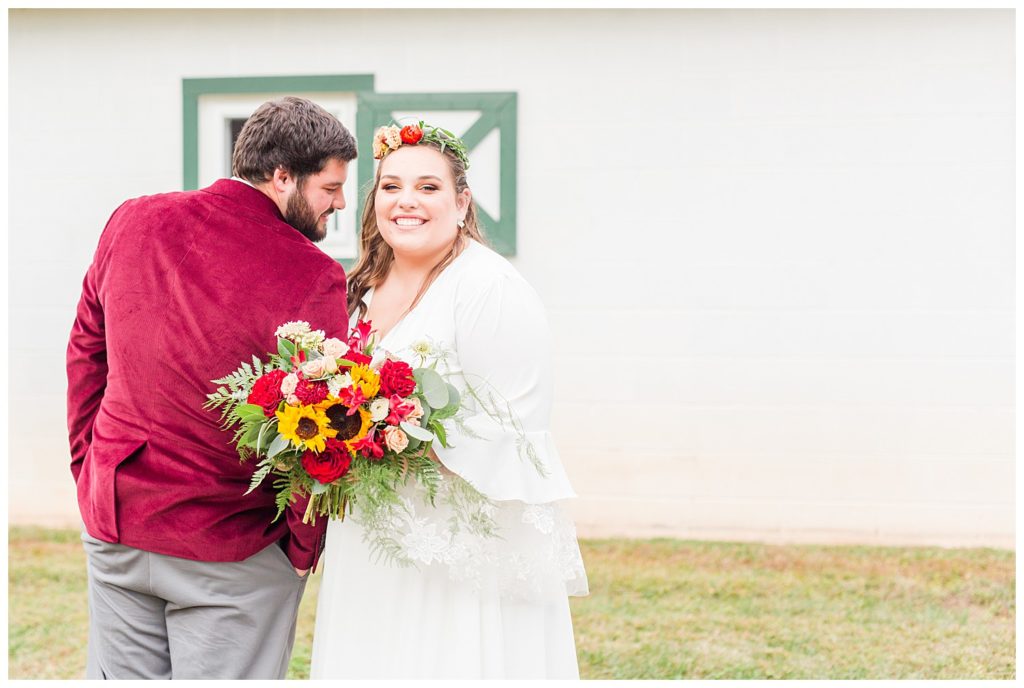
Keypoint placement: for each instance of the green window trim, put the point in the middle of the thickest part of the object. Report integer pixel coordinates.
(192, 89)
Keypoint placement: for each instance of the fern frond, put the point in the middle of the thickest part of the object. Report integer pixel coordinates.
(262, 471)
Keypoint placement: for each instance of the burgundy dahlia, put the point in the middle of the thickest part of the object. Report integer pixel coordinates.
(310, 392)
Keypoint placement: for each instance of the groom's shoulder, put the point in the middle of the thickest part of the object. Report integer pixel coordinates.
(160, 204)
(203, 211)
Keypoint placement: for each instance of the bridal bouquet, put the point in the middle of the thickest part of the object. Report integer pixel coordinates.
(324, 422)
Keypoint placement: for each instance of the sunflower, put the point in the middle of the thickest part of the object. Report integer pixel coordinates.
(348, 428)
(366, 379)
(306, 426)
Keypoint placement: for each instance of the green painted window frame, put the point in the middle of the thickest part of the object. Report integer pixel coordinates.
(498, 110)
(192, 89)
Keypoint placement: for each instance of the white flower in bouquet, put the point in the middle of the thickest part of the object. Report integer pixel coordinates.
(379, 409)
(310, 340)
(293, 329)
(422, 348)
(338, 383)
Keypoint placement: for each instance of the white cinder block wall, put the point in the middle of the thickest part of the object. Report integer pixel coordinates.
(776, 246)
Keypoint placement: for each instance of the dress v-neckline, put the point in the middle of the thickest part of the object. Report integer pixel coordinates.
(368, 296)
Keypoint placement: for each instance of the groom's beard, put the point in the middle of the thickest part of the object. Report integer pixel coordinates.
(302, 217)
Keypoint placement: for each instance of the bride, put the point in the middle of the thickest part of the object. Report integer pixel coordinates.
(473, 605)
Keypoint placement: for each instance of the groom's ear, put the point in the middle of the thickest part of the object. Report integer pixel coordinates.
(282, 179)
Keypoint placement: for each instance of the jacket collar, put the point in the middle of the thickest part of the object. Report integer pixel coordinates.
(248, 196)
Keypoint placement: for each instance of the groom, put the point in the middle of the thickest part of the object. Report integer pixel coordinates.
(188, 577)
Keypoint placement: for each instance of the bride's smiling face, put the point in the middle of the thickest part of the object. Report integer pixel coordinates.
(417, 207)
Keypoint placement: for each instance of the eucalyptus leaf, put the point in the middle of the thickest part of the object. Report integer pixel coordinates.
(417, 432)
(318, 488)
(433, 386)
(279, 444)
(453, 402)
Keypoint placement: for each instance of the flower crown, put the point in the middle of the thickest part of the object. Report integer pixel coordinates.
(391, 138)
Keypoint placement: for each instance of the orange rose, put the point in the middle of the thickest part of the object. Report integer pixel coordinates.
(411, 134)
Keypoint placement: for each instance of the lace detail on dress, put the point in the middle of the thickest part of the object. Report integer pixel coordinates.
(534, 556)
(541, 517)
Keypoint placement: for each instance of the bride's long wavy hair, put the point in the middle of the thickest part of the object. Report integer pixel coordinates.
(376, 257)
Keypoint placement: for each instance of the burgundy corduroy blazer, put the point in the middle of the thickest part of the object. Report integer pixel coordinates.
(182, 289)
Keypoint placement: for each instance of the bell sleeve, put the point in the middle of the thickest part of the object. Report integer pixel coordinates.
(501, 439)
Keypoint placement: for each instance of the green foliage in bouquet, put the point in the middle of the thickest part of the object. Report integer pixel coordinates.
(230, 399)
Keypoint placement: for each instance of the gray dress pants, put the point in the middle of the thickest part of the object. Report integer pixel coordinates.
(154, 616)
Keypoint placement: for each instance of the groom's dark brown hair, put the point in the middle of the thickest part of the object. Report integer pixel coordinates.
(293, 133)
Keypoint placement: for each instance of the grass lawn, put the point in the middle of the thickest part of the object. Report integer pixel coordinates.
(664, 609)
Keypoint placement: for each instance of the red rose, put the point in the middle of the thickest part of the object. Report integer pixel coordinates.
(369, 447)
(396, 378)
(356, 357)
(411, 134)
(266, 392)
(310, 392)
(330, 464)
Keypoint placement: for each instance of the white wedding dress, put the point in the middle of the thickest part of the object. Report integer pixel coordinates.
(473, 606)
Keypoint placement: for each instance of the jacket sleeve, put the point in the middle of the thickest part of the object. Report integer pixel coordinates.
(325, 309)
(87, 357)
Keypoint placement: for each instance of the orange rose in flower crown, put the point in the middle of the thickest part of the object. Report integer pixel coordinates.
(411, 134)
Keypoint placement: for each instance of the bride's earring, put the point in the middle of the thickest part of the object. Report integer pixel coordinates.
(462, 224)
